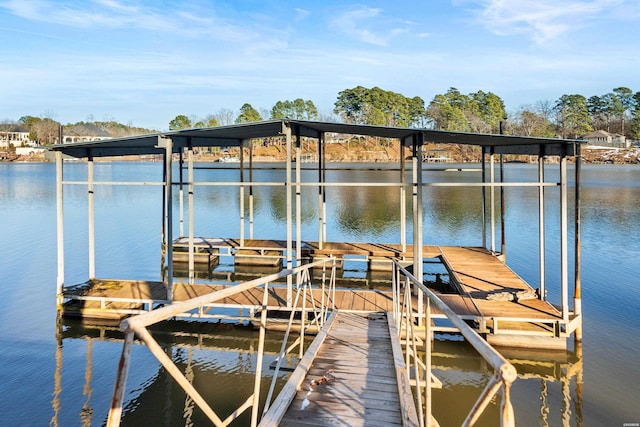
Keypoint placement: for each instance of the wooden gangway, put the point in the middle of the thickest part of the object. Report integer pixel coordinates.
(353, 374)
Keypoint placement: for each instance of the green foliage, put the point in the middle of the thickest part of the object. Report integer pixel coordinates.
(379, 107)
(296, 109)
(180, 122)
(635, 116)
(476, 112)
(248, 114)
(572, 116)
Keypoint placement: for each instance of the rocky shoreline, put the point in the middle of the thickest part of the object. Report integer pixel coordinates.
(383, 152)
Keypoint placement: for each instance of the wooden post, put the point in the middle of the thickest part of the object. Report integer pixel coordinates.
(60, 227)
(91, 229)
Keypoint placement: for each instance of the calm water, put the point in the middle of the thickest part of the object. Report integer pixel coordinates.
(62, 373)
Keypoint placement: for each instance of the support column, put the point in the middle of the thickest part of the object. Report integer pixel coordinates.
(541, 231)
(60, 228)
(168, 190)
(91, 230)
(403, 200)
(298, 199)
(181, 194)
(320, 190)
(577, 292)
(564, 259)
(250, 189)
(287, 132)
(484, 198)
(190, 207)
(492, 202)
(503, 243)
(241, 193)
(417, 217)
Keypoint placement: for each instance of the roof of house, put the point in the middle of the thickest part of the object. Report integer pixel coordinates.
(84, 129)
(13, 128)
(234, 135)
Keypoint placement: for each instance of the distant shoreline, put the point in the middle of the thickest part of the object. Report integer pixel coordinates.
(376, 152)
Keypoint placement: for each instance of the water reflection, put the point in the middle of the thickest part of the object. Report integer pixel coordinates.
(548, 391)
(219, 359)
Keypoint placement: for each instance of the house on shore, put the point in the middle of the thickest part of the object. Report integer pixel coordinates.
(16, 135)
(601, 138)
(83, 132)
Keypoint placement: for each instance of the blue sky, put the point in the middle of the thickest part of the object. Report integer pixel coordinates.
(144, 62)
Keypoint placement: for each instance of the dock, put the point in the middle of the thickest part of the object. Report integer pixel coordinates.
(505, 308)
(352, 378)
(488, 305)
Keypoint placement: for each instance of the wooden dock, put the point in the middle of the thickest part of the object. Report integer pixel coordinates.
(355, 377)
(501, 304)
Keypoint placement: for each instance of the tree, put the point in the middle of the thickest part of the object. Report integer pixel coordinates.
(180, 122)
(248, 114)
(224, 117)
(635, 116)
(379, 107)
(572, 116)
(529, 122)
(491, 110)
(296, 109)
(624, 97)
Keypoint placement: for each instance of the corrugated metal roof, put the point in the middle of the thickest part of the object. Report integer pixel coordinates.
(233, 135)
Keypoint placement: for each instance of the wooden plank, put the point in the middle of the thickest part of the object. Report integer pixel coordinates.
(361, 387)
(288, 392)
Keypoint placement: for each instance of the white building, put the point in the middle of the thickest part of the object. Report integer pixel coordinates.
(601, 138)
(14, 135)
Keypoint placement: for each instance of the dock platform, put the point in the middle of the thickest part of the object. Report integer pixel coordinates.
(502, 306)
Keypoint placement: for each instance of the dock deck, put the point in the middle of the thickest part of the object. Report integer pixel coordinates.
(490, 293)
(353, 378)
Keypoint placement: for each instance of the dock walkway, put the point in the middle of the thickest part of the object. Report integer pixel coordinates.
(356, 378)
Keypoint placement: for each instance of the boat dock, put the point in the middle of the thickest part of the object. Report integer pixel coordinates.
(483, 299)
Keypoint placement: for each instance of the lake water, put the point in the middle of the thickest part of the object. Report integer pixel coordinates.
(62, 372)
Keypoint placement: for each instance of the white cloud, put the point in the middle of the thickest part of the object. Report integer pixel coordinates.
(540, 20)
(369, 25)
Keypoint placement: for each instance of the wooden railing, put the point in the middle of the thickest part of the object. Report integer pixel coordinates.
(305, 302)
(407, 324)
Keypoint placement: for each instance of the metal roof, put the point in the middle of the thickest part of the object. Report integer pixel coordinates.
(233, 135)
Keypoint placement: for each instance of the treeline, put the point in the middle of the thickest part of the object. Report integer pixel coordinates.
(45, 130)
(569, 116)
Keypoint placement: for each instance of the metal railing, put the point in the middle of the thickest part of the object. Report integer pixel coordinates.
(313, 312)
(407, 320)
